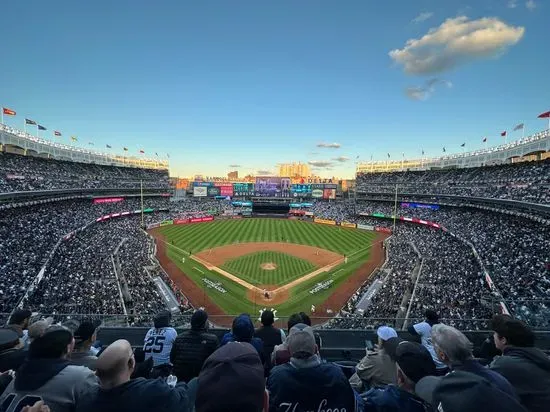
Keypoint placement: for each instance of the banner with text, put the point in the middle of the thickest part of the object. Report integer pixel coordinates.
(347, 224)
(324, 221)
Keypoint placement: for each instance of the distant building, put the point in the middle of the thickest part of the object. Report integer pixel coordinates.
(294, 170)
(234, 175)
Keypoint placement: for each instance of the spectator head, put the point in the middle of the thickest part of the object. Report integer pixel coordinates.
(20, 317)
(199, 319)
(267, 318)
(390, 346)
(301, 342)
(508, 331)
(451, 345)
(305, 318)
(56, 342)
(162, 319)
(243, 328)
(413, 363)
(116, 364)
(38, 328)
(9, 339)
(384, 334)
(85, 335)
(232, 379)
(464, 391)
(293, 319)
(431, 316)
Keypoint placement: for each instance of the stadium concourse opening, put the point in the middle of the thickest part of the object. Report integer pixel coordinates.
(268, 209)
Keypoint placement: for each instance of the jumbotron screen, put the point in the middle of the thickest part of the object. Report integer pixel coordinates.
(272, 186)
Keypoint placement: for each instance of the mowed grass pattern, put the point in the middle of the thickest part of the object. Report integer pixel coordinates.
(248, 268)
(197, 237)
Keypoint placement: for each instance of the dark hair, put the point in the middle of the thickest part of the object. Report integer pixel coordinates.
(515, 331)
(431, 316)
(267, 318)
(52, 344)
(305, 318)
(294, 319)
(162, 319)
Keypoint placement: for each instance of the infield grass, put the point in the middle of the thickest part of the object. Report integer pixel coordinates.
(182, 239)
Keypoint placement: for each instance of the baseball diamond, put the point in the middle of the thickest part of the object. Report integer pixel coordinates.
(299, 255)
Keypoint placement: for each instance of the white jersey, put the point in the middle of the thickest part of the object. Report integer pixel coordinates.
(158, 345)
(425, 331)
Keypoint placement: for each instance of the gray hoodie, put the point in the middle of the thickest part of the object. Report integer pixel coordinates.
(528, 370)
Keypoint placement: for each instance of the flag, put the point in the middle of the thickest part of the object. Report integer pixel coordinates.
(545, 115)
(519, 127)
(484, 139)
(463, 144)
(56, 133)
(503, 134)
(156, 154)
(168, 155)
(91, 143)
(29, 121)
(444, 149)
(357, 157)
(388, 155)
(422, 152)
(41, 127)
(125, 149)
(141, 151)
(108, 146)
(74, 139)
(7, 111)
(403, 154)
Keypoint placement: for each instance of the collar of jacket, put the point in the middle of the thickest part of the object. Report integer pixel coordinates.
(306, 363)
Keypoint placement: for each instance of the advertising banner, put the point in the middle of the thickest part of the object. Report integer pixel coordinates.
(181, 221)
(309, 213)
(226, 189)
(166, 222)
(365, 227)
(201, 219)
(200, 191)
(324, 221)
(347, 224)
(317, 193)
(329, 194)
(203, 184)
(382, 229)
(243, 189)
(213, 191)
(153, 225)
(108, 200)
(419, 206)
(300, 190)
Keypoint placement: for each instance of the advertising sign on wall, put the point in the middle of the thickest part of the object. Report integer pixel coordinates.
(317, 193)
(108, 200)
(329, 194)
(200, 191)
(243, 189)
(365, 227)
(213, 191)
(347, 224)
(226, 189)
(166, 222)
(324, 221)
(382, 229)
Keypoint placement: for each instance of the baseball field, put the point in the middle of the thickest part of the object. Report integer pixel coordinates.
(243, 265)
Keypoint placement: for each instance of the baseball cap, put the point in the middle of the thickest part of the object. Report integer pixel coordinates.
(301, 341)
(198, 319)
(38, 328)
(461, 391)
(414, 360)
(385, 333)
(19, 315)
(231, 379)
(52, 344)
(243, 328)
(8, 338)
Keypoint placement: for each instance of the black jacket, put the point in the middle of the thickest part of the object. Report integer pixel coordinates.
(271, 336)
(528, 370)
(189, 351)
(136, 395)
(12, 359)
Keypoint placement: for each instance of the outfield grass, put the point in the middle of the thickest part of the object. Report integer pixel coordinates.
(288, 268)
(181, 239)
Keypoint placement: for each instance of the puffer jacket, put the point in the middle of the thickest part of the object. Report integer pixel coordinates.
(189, 351)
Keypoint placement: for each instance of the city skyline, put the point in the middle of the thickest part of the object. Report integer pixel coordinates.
(246, 86)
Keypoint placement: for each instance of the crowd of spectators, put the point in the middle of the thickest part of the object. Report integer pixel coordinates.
(436, 369)
(527, 181)
(26, 173)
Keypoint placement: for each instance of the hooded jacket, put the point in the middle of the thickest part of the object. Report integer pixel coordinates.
(55, 381)
(137, 395)
(190, 350)
(392, 398)
(309, 385)
(528, 370)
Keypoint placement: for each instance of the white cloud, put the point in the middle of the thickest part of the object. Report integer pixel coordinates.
(455, 42)
(512, 4)
(531, 5)
(422, 17)
(426, 91)
(341, 159)
(235, 166)
(329, 145)
(320, 163)
(264, 172)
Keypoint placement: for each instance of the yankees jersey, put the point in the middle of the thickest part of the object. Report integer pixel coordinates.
(158, 345)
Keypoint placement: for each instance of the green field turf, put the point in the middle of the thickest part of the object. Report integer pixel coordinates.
(180, 239)
(288, 268)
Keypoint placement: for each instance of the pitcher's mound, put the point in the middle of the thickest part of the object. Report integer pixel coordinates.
(268, 266)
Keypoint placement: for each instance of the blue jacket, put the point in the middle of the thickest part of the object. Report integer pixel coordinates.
(256, 342)
(393, 399)
(309, 386)
(495, 378)
(137, 395)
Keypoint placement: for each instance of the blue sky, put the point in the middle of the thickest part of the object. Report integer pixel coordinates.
(249, 83)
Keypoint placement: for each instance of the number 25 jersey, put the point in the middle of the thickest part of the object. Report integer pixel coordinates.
(158, 344)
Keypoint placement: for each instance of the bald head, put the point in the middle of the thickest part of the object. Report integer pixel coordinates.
(116, 364)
